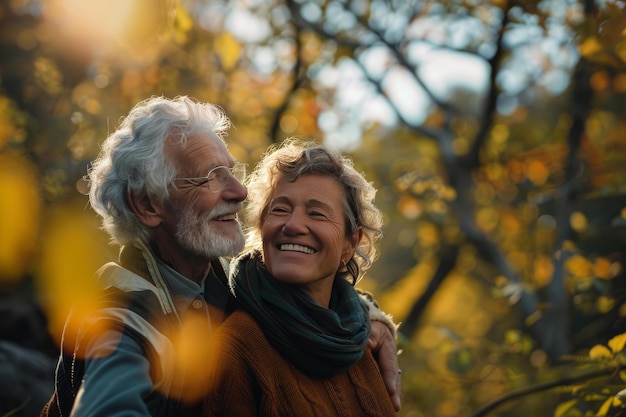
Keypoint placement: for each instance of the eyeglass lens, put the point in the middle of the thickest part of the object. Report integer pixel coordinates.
(220, 175)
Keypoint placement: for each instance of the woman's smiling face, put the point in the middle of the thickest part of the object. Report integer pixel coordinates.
(304, 234)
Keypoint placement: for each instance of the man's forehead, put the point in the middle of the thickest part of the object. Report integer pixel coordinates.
(208, 144)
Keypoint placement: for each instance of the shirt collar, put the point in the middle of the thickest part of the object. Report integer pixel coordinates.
(183, 290)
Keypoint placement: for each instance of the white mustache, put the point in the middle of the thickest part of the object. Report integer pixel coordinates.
(224, 209)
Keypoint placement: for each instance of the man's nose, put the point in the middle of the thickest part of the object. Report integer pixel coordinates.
(234, 190)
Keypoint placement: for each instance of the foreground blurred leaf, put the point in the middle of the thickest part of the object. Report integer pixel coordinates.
(19, 216)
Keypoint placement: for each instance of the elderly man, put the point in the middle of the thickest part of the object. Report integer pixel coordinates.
(168, 192)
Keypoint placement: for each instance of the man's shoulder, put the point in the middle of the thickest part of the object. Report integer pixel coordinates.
(115, 275)
(122, 292)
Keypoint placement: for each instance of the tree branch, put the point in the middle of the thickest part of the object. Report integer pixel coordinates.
(565, 381)
(473, 156)
(297, 81)
(446, 264)
(553, 325)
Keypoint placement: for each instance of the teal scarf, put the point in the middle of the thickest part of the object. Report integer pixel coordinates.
(321, 342)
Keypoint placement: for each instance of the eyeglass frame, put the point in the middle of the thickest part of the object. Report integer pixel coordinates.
(238, 171)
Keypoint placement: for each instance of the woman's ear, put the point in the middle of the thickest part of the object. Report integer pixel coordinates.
(353, 243)
(141, 205)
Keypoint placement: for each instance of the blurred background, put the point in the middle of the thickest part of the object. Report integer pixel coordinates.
(493, 130)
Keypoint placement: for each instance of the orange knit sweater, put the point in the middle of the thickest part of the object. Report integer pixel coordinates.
(251, 378)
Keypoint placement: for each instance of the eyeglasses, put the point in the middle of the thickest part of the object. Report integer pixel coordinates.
(218, 177)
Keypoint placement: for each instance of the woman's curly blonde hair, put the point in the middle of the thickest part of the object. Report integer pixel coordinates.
(292, 159)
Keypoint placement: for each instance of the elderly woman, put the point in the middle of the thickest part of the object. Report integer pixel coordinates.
(298, 343)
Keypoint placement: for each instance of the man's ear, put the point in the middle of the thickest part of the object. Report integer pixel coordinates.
(146, 212)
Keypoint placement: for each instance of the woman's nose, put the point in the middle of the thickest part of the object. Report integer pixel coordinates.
(295, 224)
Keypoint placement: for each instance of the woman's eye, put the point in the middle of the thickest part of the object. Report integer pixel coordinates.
(278, 209)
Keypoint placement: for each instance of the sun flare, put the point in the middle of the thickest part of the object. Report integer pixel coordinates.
(99, 25)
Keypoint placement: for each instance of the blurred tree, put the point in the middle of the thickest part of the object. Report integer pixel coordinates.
(492, 129)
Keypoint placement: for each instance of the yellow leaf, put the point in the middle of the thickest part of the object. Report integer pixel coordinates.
(192, 356)
(605, 304)
(537, 172)
(578, 266)
(578, 221)
(70, 257)
(620, 49)
(563, 408)
(590, 46)
(605, 407)
(617, 343)
(487, 218)
(410, 207)
(19, 216)
(512, 337)
(183, 19)
(602, 268)
(544, 268)
(600, 80)
(228, 49)
(599, 351)
(619, 84)
(533, 318)
(428, 235)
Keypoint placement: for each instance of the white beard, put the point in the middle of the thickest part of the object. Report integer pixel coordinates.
(197, 234)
